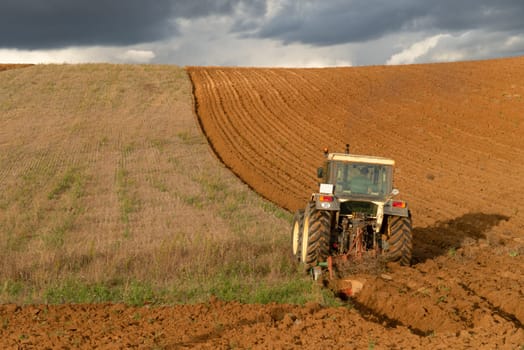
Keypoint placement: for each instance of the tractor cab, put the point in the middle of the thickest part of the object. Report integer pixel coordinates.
(355, 176)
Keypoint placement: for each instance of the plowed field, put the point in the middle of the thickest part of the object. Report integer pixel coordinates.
(219, 325)
(455, 131)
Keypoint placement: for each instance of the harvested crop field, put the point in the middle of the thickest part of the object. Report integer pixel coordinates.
(453, 129)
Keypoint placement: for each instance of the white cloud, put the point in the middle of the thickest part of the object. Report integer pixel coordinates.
(448, 56)
(138, 56)
(514, 42)
(471, 45)
(416, 50)
(92, 54)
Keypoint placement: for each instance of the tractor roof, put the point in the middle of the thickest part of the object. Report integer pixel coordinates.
(354, 158)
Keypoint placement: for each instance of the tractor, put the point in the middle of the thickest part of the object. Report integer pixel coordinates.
(353, 214)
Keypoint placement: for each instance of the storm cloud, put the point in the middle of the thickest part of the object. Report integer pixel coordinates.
(260, 32)
(37, 24)
(339, 22)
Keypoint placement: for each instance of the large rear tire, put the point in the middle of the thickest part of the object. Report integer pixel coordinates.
(296, 234)
(315, 236)
(400, 240)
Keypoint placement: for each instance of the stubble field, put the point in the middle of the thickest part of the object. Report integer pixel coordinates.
(100, 203)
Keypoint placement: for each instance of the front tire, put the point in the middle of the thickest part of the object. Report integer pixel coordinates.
(315, 236)
(400, 240)
(296, 234)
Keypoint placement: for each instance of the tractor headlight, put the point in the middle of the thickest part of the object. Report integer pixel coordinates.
(325, 205)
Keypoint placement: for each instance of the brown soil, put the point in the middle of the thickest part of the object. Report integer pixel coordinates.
(13, 66)
(232, 325)
(454, 130)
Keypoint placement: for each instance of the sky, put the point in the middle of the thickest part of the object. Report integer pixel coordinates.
(261, 33)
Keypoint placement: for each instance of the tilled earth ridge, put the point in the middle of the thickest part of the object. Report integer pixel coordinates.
(223, 325)
(463, 300)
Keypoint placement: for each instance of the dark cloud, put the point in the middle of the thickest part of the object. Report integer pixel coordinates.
(368, 31)
(340, 21)
(502, 15)
(55, 23)
(38, 24)
(202, 8)
(336, 22)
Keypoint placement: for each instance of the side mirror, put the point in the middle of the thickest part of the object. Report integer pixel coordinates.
(320, 172)
(393, 193)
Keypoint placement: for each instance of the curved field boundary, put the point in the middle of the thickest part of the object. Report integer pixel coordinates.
(254, 130)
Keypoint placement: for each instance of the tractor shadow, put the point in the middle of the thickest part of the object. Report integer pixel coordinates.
(437, 240)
